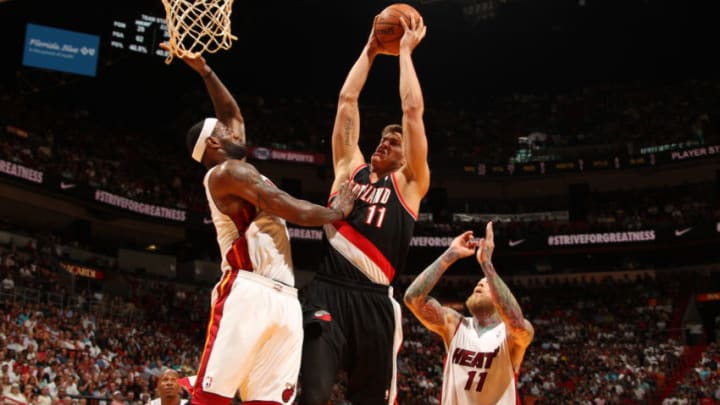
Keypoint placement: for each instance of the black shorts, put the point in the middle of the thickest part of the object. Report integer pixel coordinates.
(354, 327)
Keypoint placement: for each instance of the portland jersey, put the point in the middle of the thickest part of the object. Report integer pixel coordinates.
(253, 240)
(478, 370)
(372, 243)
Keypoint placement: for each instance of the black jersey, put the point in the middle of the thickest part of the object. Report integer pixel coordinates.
(372, 243)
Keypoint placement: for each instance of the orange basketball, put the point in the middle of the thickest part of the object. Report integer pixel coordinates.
(387, 28)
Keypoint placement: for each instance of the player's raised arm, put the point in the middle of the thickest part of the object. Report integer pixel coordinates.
(226, 108)
(436, 317)
(239, 179)
(416, 170)
(520, 331)
(346, 130)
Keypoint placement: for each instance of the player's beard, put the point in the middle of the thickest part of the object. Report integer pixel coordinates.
(234, 150)
(479, 306)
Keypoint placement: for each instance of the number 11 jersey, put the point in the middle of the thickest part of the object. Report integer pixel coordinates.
(372, 243)
(477, 368)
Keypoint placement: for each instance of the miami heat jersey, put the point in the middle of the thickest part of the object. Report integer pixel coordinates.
(478, 369)
(371, 244)
(253, 240)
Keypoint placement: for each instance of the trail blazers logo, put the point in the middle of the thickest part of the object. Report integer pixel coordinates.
(323, 316)
(288, 392)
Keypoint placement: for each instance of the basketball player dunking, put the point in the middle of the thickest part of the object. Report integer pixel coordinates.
(352, 321)
(254, 337)
(484, 351)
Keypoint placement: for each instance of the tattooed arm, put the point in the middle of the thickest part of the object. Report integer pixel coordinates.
(236, 183)
(439, 319)
(346, 131)
(520, 331)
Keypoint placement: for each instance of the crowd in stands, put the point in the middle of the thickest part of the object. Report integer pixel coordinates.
(624, 210)
(72, 142)
(605, 343)
(83, 342)
(594, 121)
(56, 138)
(67, 142)
(701, 385)
(596, 342)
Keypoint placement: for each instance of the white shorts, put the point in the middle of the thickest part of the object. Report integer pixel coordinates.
(254, 340)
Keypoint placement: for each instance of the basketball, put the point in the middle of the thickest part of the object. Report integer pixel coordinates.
(387, 28)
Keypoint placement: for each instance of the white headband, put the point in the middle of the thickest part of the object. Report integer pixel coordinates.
(200, 144)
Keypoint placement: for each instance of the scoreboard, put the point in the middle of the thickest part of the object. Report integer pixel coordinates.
(142, 34)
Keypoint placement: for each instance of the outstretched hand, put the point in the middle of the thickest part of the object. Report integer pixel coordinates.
(414, 32)
(345, 198)
(373, 45)
(193, 59)
(464, 245)
(486, 246)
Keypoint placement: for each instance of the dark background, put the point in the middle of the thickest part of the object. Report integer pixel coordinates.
(305, 48)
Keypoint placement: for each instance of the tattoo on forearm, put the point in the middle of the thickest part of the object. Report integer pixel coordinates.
(430, 276)
(505, 301)
(428, 309)
(347, 128)
(425, 281)
(431, 313)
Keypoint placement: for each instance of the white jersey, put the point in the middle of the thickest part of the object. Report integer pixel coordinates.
(478, 369)
(158, 401)
(254, 236)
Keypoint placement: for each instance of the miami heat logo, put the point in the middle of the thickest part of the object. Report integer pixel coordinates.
(288, 392)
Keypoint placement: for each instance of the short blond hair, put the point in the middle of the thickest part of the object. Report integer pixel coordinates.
(391, 128)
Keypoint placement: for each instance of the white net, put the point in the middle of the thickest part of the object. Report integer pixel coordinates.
(198, 26)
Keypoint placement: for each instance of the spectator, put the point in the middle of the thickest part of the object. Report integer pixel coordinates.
(117, 398)
(14, 396)
(44, 397)
(168, 389)
(8, 285)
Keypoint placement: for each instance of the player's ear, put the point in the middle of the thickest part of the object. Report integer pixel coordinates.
(213, 142)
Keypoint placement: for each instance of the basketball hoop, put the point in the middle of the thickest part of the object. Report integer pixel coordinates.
(197, 26)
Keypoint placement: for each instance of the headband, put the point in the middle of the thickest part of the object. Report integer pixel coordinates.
(200, 144)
